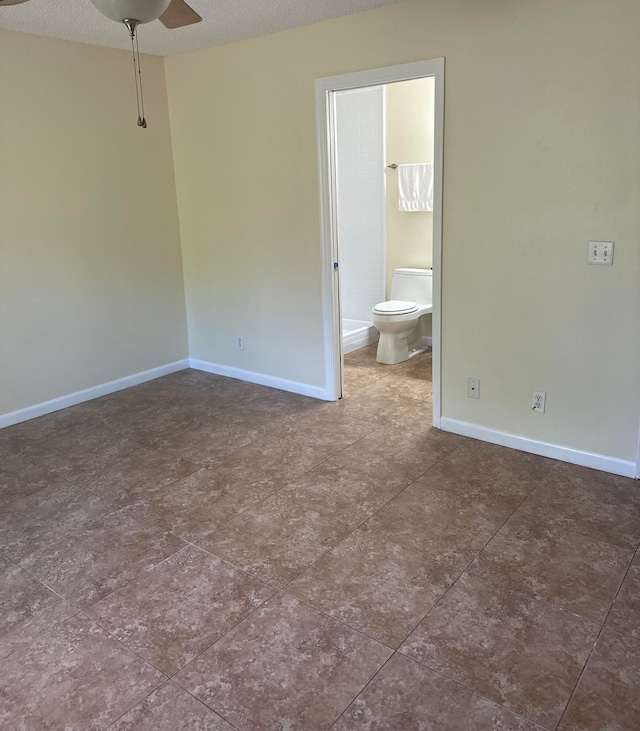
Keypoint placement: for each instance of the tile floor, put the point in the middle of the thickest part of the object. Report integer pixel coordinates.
(202, 553)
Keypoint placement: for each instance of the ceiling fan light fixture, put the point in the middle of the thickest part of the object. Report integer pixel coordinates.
(132, 13)
(144, 11)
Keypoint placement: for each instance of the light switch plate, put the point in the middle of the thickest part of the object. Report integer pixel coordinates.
(601, 252)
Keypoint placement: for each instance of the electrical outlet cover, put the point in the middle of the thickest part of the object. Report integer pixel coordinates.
(538, 401)
(473, 387)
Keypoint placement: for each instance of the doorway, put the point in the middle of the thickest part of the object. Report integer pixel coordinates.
(361, 131)
(327, 91)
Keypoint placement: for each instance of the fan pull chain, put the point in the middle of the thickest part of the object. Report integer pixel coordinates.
(137, 74)
(142, 122)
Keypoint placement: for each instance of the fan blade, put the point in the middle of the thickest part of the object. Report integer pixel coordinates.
(179, 14)
(11, 2)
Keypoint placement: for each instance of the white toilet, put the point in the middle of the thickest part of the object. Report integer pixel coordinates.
(397, 320)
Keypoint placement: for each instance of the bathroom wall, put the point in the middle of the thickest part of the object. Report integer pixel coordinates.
(409, 139)
(541, 155)
(91, 285)
(361, 196)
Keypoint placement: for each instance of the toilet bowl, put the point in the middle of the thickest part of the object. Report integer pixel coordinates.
(397, 319)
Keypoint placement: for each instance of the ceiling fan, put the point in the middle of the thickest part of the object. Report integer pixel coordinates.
(171, 13)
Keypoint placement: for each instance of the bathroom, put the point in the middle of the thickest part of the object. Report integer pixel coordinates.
(380, 130)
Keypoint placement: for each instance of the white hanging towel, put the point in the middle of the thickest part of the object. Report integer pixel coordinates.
(415, 187)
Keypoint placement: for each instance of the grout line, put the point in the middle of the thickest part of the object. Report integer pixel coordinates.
(595, 642)
(223, 635)
(528, 596)
(376, 426)
(40, 581)
(209, 708)
(128, 649)
(596, 539)
(337, 620)
(364, 473)
(141, 572)
(469, 564)
(626, 573)
(277, 590)
(195, 657)
(283, 590)
(115, 721)
(359, 693)
(475, 692)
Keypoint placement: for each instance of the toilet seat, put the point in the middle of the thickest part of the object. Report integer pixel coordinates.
(398, 319)
(395, 307)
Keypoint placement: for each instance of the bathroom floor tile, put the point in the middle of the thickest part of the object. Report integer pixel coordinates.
(269, 462)
(189, 377)
(362, 370)
(406, 695)
(19, 478)
(275, 540)
(571, 571)
(262, 401)
(168, 709)
(365, 358)
(74, 456)
(400, 391)
(521, 653)
(31, 523)
(195, 507)
(374, 586)
(151, 423)
(286, 665)
(348, 495)
(358, 404)
(177, 609)
(608, 694)
(322, 430)
(418, 367)
(206, 443)
(597, 504)
(101, 557)
(418, 418)
(393, 451)
(136, 474)
(279, 484)
(358, 377)
(18, 440)
(25, 601)
(438, 523)
(53, 433)
(625, 613)
(74, 677)
(482, 469)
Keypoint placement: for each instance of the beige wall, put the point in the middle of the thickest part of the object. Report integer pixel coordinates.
(409, 139)
(541, 155)
(90, 267)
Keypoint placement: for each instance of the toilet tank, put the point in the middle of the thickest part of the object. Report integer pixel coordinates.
(412, 285)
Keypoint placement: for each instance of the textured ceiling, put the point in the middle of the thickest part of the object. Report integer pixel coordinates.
(223, 22)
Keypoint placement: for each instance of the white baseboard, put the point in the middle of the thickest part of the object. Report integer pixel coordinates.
(427, 340)
(614, 465)
(87, 394)
(359, 339)
(304, 389)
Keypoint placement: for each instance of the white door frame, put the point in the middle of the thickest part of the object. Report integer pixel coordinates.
(326, 141)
